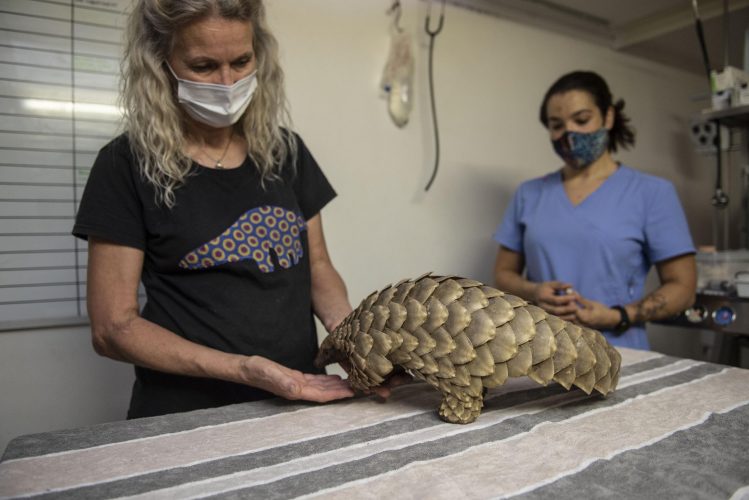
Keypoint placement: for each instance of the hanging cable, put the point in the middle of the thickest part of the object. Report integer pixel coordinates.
(720, 198)
(432, 35)
(703, 45)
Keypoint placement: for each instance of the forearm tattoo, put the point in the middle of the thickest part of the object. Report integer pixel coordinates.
(651, 308)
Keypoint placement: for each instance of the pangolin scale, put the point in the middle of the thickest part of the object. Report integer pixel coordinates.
(463, 337)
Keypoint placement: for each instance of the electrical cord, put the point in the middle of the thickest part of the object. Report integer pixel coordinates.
(703, 45)
(720, 198)
(432, 35)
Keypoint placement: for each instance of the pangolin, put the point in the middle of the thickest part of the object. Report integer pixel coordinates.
(463, 337)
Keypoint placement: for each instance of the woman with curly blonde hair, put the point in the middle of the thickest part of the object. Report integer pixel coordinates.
(213, 203)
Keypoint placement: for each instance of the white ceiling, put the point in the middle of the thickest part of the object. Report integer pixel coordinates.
(660, 30)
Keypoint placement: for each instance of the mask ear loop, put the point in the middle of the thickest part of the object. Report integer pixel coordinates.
(169, 67)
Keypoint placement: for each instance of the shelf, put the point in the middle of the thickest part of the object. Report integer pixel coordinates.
(736, 116)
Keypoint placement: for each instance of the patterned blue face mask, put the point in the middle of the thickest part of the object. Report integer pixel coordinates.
(578, 149)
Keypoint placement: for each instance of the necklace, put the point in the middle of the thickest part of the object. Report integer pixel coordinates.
(218, 164)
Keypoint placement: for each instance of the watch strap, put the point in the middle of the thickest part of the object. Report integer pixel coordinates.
(624, 322)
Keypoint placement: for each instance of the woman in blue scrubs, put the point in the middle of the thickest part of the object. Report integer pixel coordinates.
(587, 234)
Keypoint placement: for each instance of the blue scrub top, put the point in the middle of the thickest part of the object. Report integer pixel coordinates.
(604, 246)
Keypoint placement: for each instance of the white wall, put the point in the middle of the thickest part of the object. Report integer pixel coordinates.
(52, 379)
(490, 76)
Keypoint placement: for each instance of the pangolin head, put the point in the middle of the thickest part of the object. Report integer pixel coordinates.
(330, 351)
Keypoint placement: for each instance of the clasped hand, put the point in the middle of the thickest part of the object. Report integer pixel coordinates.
(560, 299)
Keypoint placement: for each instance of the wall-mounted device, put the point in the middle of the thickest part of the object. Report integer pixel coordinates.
(728, 87)
(722, 297)
(704, 135)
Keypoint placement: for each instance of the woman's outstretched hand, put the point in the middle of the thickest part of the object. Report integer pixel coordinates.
(287, 383)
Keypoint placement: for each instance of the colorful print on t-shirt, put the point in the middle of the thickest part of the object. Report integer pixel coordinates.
(252, 237)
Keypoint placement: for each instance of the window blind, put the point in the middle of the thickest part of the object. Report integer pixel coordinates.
(59, 70)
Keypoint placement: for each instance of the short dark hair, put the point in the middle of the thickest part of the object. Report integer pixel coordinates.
(621, 133)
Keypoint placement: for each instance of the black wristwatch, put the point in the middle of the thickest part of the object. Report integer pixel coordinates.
(624, 322)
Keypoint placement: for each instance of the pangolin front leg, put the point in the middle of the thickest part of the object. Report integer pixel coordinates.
(463, 337)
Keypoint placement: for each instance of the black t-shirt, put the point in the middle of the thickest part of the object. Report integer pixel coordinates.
(226, 267)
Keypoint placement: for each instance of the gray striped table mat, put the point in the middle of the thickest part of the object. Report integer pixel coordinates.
(673, 427)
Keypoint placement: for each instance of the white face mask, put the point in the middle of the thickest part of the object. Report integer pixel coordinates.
(215, 104)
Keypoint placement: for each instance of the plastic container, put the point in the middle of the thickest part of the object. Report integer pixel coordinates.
(742, 284)
(720, 270)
